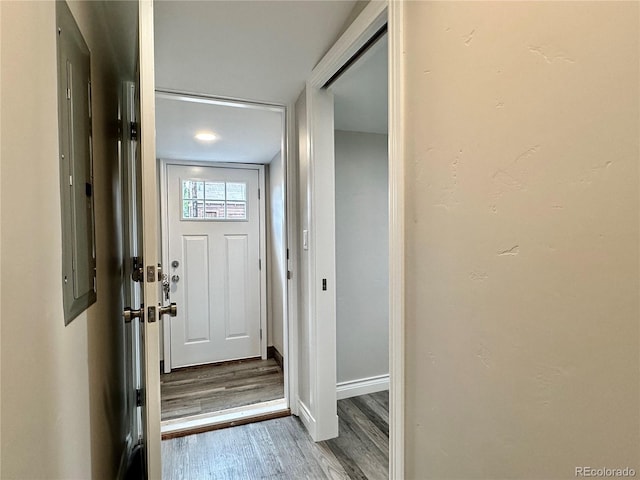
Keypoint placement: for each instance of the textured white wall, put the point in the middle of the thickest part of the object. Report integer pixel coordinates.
(362, 255)
(522, 241)
(62, 398)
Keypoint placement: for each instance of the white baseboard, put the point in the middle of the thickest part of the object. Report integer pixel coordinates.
(362, 386)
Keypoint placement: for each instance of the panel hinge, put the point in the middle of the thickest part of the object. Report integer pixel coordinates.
(133, 130)
(139, 397)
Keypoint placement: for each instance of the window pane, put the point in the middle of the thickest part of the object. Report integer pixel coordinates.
(200, 190)
(192, 209)
(189, 209)
(186, 189)
(186, 209)
(192, 189)
(236, 210)
(214, 190)
(237, 191)
(214, 209)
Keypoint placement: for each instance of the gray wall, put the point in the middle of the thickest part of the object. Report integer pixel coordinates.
(276, 236)
(522, 238)
(302, 277)
(63, 411)
(362, 243)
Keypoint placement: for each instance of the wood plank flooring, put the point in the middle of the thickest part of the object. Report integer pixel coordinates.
(211, 388)
(282, 449)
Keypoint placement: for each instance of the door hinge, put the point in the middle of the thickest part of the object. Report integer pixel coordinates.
(133, 130)
(259, 264)
(287, 254)
(139, 397)
(258, 194)
(288, 274)
(137, 271)
(260, 334)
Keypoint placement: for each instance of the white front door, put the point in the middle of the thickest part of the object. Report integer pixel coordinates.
(214, 266)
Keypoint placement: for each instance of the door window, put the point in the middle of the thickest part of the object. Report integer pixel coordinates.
(211, 200)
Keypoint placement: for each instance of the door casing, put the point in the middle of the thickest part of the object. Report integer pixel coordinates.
(319, 122)
(290, 290)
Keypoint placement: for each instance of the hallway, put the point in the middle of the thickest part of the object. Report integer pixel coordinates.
(211, 388)
(282, 449)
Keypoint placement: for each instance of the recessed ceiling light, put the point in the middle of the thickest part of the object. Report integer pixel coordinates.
(206, 136)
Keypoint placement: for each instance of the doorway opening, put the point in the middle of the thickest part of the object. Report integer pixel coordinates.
(361, 156)
(311, 370)
(222, 165)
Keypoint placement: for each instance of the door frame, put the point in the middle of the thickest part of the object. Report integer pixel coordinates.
(319, 110)
(164, 223)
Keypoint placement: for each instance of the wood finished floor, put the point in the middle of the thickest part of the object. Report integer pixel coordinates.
(211, 388)
(282, 449)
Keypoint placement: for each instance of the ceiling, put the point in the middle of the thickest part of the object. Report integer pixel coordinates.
(244, 135)
(261, 51)
(361, 92)
(252, 50)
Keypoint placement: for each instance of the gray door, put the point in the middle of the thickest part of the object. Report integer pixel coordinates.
(131, 182)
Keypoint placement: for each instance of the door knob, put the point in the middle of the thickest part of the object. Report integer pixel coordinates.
(130, 314)
(171, 310)
(175, 278)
